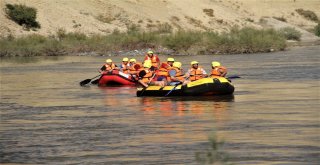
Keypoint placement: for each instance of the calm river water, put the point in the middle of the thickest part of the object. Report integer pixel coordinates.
(272, 118)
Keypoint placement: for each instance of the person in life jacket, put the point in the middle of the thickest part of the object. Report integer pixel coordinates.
(132, 61)
(162, 72)
(218, 70)
(135, 67)
(196, 72)
(176, 75)
(108, 67)
(146, 76)
(124, 67)
(154, 60)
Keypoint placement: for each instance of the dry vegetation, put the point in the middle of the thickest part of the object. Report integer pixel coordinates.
(188, 27)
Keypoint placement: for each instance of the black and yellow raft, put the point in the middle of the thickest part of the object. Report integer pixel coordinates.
(202, 87)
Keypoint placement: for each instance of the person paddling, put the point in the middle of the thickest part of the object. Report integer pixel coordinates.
(155, 61)
(124, 67)
(135, 66)
(196, 72)
(108, 67)
(218, 70)
(162, 72)
(176, 75)
(146, 76)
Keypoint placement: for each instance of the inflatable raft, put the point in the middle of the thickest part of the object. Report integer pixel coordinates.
(203, 87)
(115, 78)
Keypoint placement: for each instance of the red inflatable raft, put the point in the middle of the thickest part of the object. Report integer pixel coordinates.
(116, 78)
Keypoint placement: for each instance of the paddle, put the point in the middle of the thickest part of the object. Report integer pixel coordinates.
(229, 78)
(233, 77)
(175, 86)
(86, 81)
(96, 81)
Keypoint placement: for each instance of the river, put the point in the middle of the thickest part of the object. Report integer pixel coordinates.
(272, 118)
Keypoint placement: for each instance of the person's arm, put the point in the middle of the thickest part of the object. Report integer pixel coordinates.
(187, 75)
(103, 68)
(223, 72)
(204, 73)
(116, 67)
(172, 74)
(158, 61)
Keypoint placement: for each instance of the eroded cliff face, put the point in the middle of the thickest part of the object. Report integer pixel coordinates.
(105, 16)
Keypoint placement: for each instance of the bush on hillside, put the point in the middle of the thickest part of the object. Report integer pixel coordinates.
(317, 30)
(281, 19)
(291, 33)
(310, 15)
(22, 15)
(164, 28)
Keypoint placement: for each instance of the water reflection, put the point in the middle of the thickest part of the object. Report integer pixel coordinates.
(182, 105)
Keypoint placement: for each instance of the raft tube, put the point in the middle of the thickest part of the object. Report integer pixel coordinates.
(203, 87)
(116, 78)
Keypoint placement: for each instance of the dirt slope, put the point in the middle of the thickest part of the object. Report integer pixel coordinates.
(104, 16)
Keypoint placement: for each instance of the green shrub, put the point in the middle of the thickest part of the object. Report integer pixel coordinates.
(61, 33)
(182, 40)
(317, 30)
(164, 28)
(133, 28)
(290, 33)
(22, 15)
(310, 15)
(214, 154)
(246, 40)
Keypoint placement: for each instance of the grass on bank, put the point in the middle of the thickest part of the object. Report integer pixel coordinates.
(317, 30)
(246, 40)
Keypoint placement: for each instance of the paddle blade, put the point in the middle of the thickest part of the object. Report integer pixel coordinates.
(84, 82)
(233, 77)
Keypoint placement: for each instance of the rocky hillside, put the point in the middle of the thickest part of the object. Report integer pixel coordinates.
(105, 16)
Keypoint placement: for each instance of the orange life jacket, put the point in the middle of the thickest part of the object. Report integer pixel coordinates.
(125, 68)
(179, 74)
(218, 71)
(134, 69)
(195, 74)
(110, 67)
(153, 60)
(147, 78)
(162, 72)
